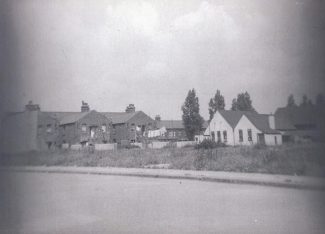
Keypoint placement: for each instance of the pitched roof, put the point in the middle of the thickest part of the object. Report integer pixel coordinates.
(170, 124)
(58, 114)
(72, 118)
(232, 117)
(120, 117)
(176, 124)
(287, 117)
(261, 122)
(45, 115)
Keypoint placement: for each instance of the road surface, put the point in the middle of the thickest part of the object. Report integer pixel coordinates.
(74, 203)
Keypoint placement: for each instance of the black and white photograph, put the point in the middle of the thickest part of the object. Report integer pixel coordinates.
(162, 116)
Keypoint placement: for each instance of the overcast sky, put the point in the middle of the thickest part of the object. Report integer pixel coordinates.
(150, 53)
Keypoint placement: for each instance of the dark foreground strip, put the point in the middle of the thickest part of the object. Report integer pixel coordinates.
(286, 184)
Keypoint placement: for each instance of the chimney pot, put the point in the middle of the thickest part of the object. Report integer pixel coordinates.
(130, 108)
(84, 107)
(32, 107)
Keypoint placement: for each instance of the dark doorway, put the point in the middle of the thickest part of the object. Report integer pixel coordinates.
(261, 138)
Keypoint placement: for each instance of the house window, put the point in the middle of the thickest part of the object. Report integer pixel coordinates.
(84, 127)
(171, 134)
(275, 140)
(249, 134)
(240, 132)
(48, 128)
(92, 132)
(104, 128)
(225, 136)
(219, 136)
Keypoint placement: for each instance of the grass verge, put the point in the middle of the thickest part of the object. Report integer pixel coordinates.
(296, 159)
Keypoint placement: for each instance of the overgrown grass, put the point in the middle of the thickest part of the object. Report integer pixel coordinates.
(302, 159)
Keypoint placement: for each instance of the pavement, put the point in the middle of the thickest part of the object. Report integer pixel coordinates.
(299, 182)
(62, 203)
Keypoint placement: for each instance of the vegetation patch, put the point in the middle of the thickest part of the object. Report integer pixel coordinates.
(295, 159)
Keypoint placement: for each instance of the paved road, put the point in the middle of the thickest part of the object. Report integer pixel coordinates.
(72, 203)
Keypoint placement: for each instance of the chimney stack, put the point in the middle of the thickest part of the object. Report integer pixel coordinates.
(271, 121)
(32, 107)
(158, 118)
(130, 108)
(84, 107)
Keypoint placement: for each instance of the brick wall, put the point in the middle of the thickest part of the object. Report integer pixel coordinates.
(19, 132)
(75, 133)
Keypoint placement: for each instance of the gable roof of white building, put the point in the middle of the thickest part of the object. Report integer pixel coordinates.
(232, 117)
(260, 121)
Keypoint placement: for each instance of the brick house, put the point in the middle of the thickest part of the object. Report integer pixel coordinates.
(47, 131)
(33, 129)
(129, 126)
(301, 123)
(85, 127)
(28, 130)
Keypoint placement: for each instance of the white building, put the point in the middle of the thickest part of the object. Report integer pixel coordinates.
(243, 128)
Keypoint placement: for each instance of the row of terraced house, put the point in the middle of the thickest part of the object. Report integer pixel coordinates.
(34, 129)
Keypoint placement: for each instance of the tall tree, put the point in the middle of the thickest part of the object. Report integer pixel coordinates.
(192, 119)
(216, 103)
(234, 104)
(304, 101)
(243, 102)
(291, 101)
(320, 100)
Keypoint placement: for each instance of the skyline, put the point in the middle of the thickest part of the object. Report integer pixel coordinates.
(150, 53)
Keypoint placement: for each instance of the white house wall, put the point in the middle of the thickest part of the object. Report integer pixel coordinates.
(270, 139)
(218, 123)
(244, 124)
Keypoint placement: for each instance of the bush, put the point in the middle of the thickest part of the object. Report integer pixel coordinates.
(130, 146)
(259, 146)
(209, 144)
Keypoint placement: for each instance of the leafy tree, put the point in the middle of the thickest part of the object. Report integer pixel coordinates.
(291, 101)
(216, 103)
(304, 100)
(242, 103)
(320, 99)
(192, 119)
(234, 104)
